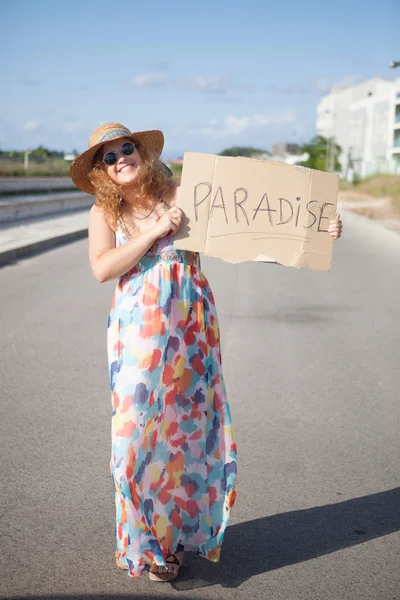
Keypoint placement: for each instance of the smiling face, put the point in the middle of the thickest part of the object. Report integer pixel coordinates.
(126, 170)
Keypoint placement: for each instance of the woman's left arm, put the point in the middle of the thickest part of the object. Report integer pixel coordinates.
(335, 227)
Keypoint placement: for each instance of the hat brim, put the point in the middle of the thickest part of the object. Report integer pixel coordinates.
(83, 164)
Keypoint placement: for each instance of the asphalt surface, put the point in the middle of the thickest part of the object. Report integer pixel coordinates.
(311, 362)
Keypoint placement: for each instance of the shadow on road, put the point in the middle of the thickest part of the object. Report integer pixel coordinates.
(262, 545)
(273, 542)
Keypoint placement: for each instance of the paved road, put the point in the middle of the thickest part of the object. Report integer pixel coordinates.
(312, 368)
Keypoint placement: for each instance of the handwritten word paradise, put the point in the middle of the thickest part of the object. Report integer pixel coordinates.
(243, 209)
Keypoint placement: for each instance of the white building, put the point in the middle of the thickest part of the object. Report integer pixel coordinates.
(365, 121)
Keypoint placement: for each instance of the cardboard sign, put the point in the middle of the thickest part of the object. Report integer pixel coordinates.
(244, 209)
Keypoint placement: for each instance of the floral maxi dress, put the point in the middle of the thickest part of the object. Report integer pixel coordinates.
(173, 458)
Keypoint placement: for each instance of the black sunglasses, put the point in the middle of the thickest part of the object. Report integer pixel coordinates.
(110, 158)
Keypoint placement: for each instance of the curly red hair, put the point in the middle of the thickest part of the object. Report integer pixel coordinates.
(153, 182)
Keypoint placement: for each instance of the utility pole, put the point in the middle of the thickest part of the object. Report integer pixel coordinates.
(328, 154)
(332, 156)
(26, 160)
(350, 170)
(330, 145)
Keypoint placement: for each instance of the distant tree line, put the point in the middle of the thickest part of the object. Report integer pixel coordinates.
(247, 151)
(322, 153)
(40, 153)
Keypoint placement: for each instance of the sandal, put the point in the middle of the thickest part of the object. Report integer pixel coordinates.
(121, 565)
(167, 575)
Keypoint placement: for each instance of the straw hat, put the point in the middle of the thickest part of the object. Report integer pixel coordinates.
(83, 164)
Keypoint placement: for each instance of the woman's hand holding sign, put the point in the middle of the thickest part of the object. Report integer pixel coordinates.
(169, 223)
(335, 227)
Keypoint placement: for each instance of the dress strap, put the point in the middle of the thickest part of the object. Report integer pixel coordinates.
(124, 228)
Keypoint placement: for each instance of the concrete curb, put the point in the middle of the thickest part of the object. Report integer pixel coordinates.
(8, 256)
(14, 211)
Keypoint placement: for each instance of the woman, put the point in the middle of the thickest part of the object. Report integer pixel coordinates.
(173, 460)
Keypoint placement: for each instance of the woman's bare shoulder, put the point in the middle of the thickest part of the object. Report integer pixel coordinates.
(96, 215)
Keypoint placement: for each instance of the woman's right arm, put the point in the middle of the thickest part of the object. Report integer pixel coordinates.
(108, 262)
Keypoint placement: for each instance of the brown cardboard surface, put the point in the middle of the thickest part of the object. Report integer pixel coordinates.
(242, 209)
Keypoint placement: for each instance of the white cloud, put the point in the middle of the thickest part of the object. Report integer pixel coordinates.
(149, 80)
(347, 81)
(325, 86)
(209, 85)
(215, 85)
(233, 125)
(31, 125)
(322, 85)
(288, 89)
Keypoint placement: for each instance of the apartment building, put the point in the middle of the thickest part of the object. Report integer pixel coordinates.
(365, 121)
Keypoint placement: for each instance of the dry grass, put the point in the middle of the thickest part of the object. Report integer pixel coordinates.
(377, 186)
(56, 167)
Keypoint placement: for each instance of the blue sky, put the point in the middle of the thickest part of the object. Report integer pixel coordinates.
(210, 74)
